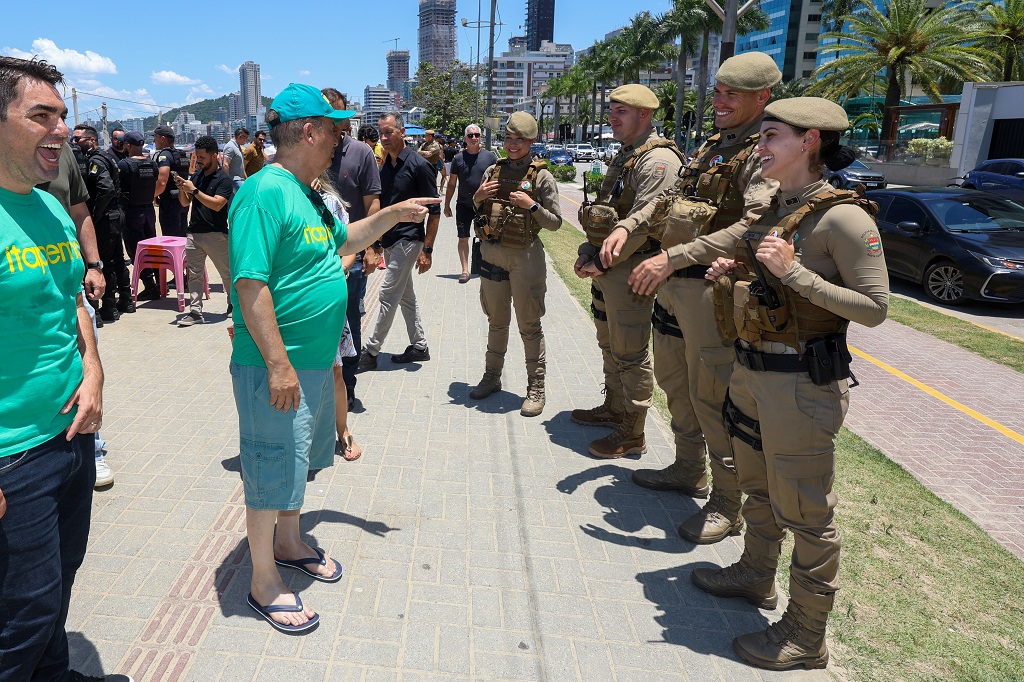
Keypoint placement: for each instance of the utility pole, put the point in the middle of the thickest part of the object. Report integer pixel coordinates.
(106, 133)
(74, 103)
(490, 75)
(729, 16)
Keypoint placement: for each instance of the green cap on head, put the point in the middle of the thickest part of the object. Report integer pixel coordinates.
(808, 113)
(303, 101)
(750, 71)
(522, 124)
(635, 95)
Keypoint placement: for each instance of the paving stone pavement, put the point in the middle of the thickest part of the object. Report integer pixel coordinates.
(476, 544)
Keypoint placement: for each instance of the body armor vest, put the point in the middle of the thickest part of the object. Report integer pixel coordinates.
(179, 164)
(615, 198)
(113, 207)
(795, 318)
(512, 226)
(142, 186)
(81, 159)
(704, 200)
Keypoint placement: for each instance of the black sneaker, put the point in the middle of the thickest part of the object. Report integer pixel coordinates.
(75, 676)
(368, 361)
(109, 313)
(412, 354)
(149, 294)
(99, 322)
(125, 304)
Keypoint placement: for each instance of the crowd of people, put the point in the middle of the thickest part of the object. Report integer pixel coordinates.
(743, 264)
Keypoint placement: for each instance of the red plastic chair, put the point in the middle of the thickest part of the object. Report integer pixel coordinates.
(164, 253)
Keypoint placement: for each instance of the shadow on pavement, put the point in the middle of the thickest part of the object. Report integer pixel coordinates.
(501, 402)
(83, 655)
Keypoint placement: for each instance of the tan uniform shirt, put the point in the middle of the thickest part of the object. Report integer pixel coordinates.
(431, 152)
(842, 240)
(655, 173)
(549, 215)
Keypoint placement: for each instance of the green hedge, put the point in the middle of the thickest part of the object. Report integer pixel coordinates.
(563, 173)
(593, 182)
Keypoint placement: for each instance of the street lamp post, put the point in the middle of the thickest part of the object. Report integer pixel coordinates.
(490, 71)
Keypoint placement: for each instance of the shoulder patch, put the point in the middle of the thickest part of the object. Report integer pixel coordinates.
(872, 242)
(659, 169)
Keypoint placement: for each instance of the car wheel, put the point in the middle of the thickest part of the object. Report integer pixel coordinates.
(944, 283)
(836, 181)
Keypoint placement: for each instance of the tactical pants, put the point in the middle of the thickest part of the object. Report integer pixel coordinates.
(140, 223)
(111, 249)
(397, 290)
(173, 217)
(525, 289)
(694, 372)
(789, 483)
(623, 321)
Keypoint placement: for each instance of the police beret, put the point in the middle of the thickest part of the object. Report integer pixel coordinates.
(429, 132)
(134, 139)
(522, 124)
(750, 71)
(807, 113)
(164, 130)
(635, 95)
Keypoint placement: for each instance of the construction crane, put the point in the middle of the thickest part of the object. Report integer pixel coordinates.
(392, 40)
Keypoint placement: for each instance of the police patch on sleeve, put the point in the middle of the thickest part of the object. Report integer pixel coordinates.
(659, 169)
(872, 242)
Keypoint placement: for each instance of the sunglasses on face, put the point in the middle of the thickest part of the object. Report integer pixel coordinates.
(321, 207)
(472, 134)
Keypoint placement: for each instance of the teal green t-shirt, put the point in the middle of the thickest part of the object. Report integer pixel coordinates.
(278, 236)
(40, 278)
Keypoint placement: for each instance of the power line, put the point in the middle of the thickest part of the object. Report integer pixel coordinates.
(131, 101)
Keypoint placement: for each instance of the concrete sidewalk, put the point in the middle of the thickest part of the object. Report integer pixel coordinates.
(476, 544)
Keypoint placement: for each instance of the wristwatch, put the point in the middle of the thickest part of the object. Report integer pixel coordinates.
(98, 265)
(535, 207)
(428, 250)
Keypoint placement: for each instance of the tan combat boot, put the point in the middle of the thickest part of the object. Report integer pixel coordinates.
(627, 439)
(675, 476)
(746, 578)
(797, 639)
(490, 383)
(719, 519)
(534, 403)
(608, 414)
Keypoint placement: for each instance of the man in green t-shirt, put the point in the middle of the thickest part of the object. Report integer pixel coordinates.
(51, 382)
(285, 247)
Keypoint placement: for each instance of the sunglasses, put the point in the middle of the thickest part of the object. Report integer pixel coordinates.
(472, 134)
(321, 207)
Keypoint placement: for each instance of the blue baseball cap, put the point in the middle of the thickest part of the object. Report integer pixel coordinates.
(303, 101)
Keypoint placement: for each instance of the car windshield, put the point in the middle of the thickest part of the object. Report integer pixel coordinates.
(979, 214)
(858, 165)
(585, 146)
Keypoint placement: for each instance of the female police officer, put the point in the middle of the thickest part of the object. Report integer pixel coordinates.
(809, 266)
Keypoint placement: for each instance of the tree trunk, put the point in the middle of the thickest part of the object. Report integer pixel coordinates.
(558, 122)
(892, 99)
(593, 110)
(702, 85)
(680, 96)
(600, 119)
(1008, 64)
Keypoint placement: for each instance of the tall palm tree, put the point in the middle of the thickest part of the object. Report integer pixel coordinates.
(642, 46)
(685, 22)
(902, 37)
(576, 84)
(833, 17)
(555, 91)
(1004, 24)
(601, 66)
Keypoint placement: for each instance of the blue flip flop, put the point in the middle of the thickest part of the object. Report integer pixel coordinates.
(300, 564)
(265, 611)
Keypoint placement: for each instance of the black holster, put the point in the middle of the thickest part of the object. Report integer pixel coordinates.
(492, 272)
(665, 323)
(828, 359)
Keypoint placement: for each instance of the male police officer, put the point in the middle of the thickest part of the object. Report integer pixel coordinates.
(644, 167)
(692, 360)
(116, 151)
(103, 182)
(138, 176)
(517, 198)
(173, 216)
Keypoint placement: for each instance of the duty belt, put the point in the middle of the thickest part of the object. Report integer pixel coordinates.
(493, 272)
(757, 361)
(692, 272)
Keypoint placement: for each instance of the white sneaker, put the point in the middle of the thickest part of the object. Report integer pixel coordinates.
(104, 476)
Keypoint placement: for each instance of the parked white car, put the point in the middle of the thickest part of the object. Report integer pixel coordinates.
(585, 152)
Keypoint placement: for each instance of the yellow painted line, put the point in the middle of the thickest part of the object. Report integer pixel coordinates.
(991, 423)
(572, 200)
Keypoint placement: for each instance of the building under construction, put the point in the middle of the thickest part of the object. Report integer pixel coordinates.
(398, 69)
(438, 41)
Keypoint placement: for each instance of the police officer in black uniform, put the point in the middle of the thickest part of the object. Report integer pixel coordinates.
(173, 216)
(116, 150)
(138, 189)
(103, 182)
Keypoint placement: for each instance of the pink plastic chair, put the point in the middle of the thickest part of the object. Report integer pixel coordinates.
(164, 253)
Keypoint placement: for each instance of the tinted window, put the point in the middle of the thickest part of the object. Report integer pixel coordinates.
(859, 166)
(1012, 168)
(905, 210)
(993, 167)
(979, 213)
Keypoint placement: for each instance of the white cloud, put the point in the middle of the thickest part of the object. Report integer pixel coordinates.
(172, 78)
(200, 92)
(227, 69)
(304, 72)
(70, 61)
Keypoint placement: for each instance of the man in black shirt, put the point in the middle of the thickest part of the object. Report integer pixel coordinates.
(209, 190)
(404, 175)
(466, 174)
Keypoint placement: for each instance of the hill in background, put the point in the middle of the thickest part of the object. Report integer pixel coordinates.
(204, 110)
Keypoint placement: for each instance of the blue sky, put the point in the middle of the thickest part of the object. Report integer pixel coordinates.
(198, 58)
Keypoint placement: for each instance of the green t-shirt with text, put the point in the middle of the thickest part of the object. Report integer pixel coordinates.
(278, 236)
(40, 278)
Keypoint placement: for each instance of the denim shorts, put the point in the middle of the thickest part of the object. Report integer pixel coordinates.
(279, 448)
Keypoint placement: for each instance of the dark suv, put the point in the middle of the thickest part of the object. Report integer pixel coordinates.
(1002, 176)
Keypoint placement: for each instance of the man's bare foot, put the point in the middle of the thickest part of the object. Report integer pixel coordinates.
(282, 598)
(300, 551)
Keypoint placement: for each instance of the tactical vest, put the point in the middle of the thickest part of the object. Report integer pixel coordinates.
(702, 201)
(81, 159)
(796, 319)
(113, 209)
(142, 185)
(616, 197)
(512, 226)
(179, 164)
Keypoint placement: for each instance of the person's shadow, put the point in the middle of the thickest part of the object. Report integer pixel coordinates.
(566, 433)
(83, 655)
(501, 402)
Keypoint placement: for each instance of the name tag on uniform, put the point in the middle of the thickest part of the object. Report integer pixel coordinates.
(792, 200)
(751, 236)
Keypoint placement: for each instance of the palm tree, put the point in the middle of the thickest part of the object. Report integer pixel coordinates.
(900, 37)
(685, 22)
(833, 16)
(1004, 24)
(555, 91)
(642, 46)
(576, 83)
(601, 65)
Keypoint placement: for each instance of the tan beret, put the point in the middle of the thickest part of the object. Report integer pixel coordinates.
(808, 112)
(522, 124)
(635, 95)
(750, 71)
(429, 132)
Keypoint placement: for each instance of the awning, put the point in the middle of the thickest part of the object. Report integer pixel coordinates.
(415, 130)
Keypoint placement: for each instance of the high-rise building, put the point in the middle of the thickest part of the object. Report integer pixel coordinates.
(522, 73)
(438, 41)
(235, 106)
(249, 87)
(791, 38)
(398, 69)
(540, 23)
(377, 100)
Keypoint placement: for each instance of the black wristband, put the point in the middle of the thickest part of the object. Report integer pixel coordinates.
(598, 264)
(428, 250)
